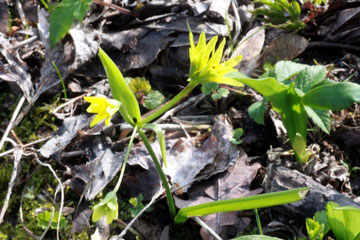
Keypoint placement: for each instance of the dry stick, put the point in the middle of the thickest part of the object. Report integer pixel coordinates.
(55, 111)
(237, 21)
(23, 43)
(21, 12)
(204, 225)
(334, 45)
(61, 189)
(22, 219)
(120, 9)
(25, 145)
(11, 123)
(17, 157)
(122, 234)
(50, 221)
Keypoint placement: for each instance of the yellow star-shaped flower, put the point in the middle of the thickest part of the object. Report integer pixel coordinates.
(205, 62)
(105, 109)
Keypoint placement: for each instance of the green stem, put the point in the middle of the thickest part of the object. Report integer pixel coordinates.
(258, 221)
(125, 160)
(165, 183)
(170, 104)
(61, 79)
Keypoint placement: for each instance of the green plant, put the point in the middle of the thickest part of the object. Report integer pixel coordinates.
(215, 91)
(296, 91)
(205, 66)
(245, 203)
(281, 14)
(343, 222)
(137, 205)
(45, 217)
(237, 134)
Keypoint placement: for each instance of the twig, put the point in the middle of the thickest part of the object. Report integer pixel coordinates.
(333, 45)
(122, 234)
(25, 145)
(11, 123)
(50, 221)
(61, 189)
(21, 12)
(204, 225)
(23, 43)
(120, 9)
(22, 219)
(55, 111)
(17, 157)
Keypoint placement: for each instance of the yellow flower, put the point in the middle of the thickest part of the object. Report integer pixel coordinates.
(205, 63)
(105, 109)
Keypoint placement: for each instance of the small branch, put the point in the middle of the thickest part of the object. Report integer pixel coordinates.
(23, 43)
(59, 187)
(204, 225)
(28, 232)
(334, 45)
(11, 123)
(24, 146)
(120, 9)
(18, 154)
(153, 199)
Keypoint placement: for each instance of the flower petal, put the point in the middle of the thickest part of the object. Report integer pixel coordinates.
(98, 212)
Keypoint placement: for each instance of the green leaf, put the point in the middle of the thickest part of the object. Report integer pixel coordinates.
(120, 90)
(320, 117)
(265, 86)
(63, 15)
(309, 77)
(154, 99)
(208, 87)
(220, 93)
(344, 221)
(285, 70)
(321, 217)
(314, 229)
(237, 134)
(256, 237)
(237, 204)
(335, 96)
(44, 218)
(160, 134)
(257, 111)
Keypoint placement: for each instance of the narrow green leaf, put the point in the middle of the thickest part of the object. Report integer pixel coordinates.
(257, 111)
(256, 237)
(63, 15)
(160, 134)
(320, 117)
(120, 90)
(335, 96)
(246, 203)
(265, 86)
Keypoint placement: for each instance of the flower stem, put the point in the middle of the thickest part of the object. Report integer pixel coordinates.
(170, 104)
(125, 160)
(165, 183)
(258, 221)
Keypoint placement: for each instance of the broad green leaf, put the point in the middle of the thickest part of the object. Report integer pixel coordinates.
(237, 134)
(63, 15)
(154, 99)
(309, 77)
(220, 93)
(265, 86)
(44, 219)
(314, 229)
(285, 70)
(238, 204)
(344, 221)
(256, 237)
(160, 134)
(322, 218)
(208, 87)
(120, 90)
(335, 96)
(257, 111)
(320, 117)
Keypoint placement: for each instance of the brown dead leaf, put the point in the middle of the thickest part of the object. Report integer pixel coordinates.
(234, 183)
(284, 47)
